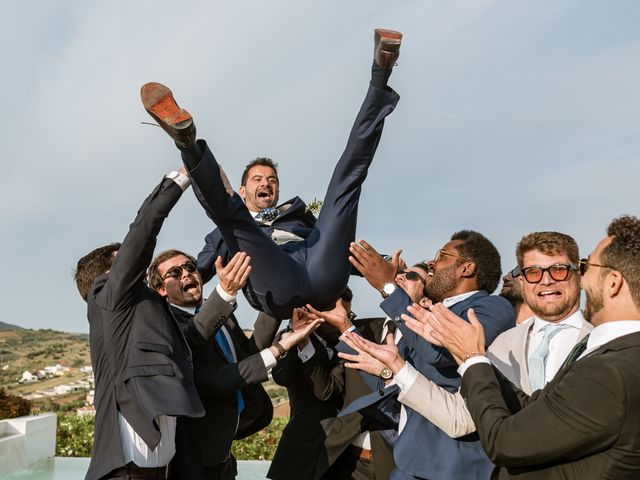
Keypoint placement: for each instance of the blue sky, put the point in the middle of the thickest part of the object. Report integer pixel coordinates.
(514, 116)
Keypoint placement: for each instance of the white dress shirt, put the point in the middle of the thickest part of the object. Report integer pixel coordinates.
(609, 331)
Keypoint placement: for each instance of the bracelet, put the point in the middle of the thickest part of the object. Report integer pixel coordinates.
(279, 347)
(473, 354)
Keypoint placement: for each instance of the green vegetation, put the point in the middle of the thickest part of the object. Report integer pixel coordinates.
(75, 435)
(75, 438)
(262, 445)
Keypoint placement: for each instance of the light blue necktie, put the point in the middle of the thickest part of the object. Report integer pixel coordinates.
(538, 359)
(222, 342)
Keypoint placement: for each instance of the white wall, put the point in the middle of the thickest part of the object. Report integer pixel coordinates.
(26, 440)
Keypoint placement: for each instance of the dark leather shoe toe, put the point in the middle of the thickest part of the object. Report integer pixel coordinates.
(177, 122)
(386, 47)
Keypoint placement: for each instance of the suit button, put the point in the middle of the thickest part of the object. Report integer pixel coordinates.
(396, 318)
(381, 393)
(189, 358)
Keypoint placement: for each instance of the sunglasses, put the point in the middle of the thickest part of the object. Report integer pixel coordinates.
(558, 272)
(442, 252)
(583, 266)
(176, 272)
(410, 275)
(516, 272)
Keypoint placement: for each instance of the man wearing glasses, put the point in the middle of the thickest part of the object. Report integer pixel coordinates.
(461, 275)
(585, 423)
(512, 292)
(530, 354)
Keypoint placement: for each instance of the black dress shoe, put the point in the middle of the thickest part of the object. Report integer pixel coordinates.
(386, 47)
(177, 122)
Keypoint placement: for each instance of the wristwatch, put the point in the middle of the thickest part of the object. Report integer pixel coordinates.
(386, 373)
(388, 288)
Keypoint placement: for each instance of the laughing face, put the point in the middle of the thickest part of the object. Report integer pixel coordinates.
(261, 189)
(183, 289)
(549, 299)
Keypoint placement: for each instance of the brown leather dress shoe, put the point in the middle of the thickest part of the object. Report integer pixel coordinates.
(177, 122)
(386, 47)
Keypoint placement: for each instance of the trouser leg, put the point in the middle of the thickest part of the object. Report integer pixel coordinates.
(328, 242)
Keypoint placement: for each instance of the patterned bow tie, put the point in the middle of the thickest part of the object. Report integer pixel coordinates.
(268, 214)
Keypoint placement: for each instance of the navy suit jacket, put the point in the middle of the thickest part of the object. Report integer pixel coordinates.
(295, 219)
(422, 449)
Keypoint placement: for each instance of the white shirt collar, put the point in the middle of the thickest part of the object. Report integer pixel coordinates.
(575, 320)
(610, 331)
(448, 302)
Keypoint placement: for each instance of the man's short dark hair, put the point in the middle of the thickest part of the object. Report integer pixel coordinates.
(154, 280)
(549, 243)
(623, 253)
(92, 265)
(263, 161)
(484, 254)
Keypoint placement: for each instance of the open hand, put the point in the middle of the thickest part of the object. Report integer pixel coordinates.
(234, 276)
(373, 267)
(386, 353)
(337, 316)
(363, 360)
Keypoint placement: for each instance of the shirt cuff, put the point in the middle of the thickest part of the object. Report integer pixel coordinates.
(406, 376)
(471, 361)
(268, 359)
(307, 352)
(224, 295)
(181, 179)
(350, 329)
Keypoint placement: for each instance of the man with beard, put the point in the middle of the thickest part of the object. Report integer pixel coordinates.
(462, 274)
(530, 354)
(310, 263)
(584, 424)
(512, 292)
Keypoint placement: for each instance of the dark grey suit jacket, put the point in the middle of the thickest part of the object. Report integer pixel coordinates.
(302, 440)
(585, 423)
(340, 431)
(138, 352)
(205, 442)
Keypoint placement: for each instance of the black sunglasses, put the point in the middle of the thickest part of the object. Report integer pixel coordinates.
(176, 272)
(410, 275)
(558, 272)
(583, 265)
(516, 272)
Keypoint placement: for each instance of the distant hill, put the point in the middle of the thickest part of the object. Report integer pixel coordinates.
(24, 349)
(8, 326)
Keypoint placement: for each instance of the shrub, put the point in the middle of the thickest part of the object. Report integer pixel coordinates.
(261, 445)
(12, 406)
(75, 435)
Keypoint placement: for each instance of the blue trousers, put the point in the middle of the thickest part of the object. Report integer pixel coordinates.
(315, 270)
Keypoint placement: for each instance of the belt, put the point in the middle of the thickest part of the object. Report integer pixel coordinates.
(133, 471)
(361, 453)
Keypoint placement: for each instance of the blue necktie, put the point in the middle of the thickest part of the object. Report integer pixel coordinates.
(538, 359)
(222, 342)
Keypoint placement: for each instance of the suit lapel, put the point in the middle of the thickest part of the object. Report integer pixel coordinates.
(521, 354)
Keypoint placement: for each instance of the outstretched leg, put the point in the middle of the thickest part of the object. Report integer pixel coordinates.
(328, 243)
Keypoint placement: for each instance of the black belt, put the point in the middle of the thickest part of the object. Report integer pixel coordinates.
(134, 471)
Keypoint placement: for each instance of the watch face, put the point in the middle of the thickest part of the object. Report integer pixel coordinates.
(386, 373)
(389, 288)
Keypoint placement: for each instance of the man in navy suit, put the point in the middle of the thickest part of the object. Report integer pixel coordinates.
(313, 269)
(461, 276)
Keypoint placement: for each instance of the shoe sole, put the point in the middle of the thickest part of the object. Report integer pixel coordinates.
(159, 102)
